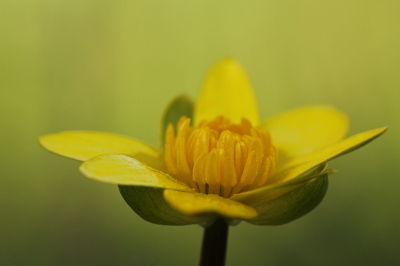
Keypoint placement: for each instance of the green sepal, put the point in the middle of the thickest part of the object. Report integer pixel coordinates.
(292, 205)
(150, 205)
(178, 107)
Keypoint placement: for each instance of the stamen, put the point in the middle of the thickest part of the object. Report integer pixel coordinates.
(220, 157)
(170, 155)
(226, 142)
(240, 157)
(181, 162)
(212, 169)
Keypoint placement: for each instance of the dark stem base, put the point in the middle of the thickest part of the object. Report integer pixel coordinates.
(213, 250)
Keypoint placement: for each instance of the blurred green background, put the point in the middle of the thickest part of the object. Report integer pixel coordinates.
(114, 65)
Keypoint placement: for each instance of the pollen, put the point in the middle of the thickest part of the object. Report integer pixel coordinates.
(219, 157)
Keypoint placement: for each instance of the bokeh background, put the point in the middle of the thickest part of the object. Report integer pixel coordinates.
(114, 65)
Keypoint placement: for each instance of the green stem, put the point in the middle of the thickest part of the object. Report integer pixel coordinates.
(213, 250)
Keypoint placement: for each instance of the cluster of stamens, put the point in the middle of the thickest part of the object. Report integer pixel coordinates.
(219, 157)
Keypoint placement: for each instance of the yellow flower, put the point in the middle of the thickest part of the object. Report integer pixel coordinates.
(222, 163)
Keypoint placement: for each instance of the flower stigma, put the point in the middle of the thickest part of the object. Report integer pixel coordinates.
(219, 157)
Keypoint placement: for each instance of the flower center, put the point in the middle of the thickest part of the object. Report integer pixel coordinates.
(219, 157)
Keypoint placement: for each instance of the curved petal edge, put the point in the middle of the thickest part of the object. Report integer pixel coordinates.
(83, 145)
(201, 204)
(124, 170)
(227, 91)
(306, 129)
(297, 166)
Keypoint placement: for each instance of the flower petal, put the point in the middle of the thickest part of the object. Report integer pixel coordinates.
(226, 91)
(201, 204)
(149, 203)
(83, 145)
(302, 164)
(306, 129)
(124, 170)
(178, 107)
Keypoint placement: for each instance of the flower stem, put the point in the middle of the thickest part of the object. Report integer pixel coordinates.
(213, 250)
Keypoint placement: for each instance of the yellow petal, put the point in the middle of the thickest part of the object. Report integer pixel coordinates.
(302, 164)
(306, 129)
(149, 203)
(226, 91)
(83, 145)
(124, 170)
(288, 179)
(197, 203)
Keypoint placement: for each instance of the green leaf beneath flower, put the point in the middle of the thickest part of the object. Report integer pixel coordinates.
(267, 193)
(293, 205)
(149, 203)
(178, 107)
